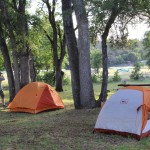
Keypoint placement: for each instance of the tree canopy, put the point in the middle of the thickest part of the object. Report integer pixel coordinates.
(48, 39)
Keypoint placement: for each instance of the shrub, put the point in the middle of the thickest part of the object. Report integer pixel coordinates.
(39, 77)
(47, 77)
(116, 77)
(110, 79)
(135, 74)
(96, 60)
(66, 80)
(94, 78)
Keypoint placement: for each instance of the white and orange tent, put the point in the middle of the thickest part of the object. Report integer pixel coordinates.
(126, 113)
(36, 97)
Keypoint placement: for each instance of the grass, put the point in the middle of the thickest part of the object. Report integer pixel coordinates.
(64, 129)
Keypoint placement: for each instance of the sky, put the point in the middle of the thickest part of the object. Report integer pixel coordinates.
(138, 31)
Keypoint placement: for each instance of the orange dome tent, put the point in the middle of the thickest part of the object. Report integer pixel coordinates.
(36, 97)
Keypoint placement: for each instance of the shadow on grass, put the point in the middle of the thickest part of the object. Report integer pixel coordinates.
(58, 129)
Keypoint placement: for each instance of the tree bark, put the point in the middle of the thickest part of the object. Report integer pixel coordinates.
(59, 78)
(86, 87)
(7, 63)
(59, 72)
(103, 94)
(13, 44)
(54, 43)
(23, 43)
(32, 69)
(24, 68)
(72, 51)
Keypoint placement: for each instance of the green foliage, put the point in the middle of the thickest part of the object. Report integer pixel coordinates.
(135, 74)
(146, 43)
(132, 52)
(66, 80)
(116, 77)
(119, 59)
(2, 66)
(94, 78)
(97, 77)
(41, 49)
(110, 80)
(96, 59)
(132, 57)
(132, 44)
(47, 77)
(127, 12)
(123, 57)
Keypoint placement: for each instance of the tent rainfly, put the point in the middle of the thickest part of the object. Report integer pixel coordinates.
(36, 97)
(126, 113)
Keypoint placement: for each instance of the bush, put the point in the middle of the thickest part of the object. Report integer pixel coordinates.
(135, 74)
(96, 60)
(66, 80)
(47, 77)
(110, 80)
(116, 77)
(39, 77)
(94, 78)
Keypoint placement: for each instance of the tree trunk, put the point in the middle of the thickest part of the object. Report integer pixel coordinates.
(86, 87)
(32, 69)
(54, 43)
(24, 67)
(13, 44)
(72, 51)
(59, 78)
(103, 94)
(23, 43)
(7, 62)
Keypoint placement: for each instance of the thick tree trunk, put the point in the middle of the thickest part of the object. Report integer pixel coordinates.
(24, 67)
(32, 70)
(58, 76)
(23, 43)
(13, 44)
(7, 62)
(72, 51)
(86, 87)
(59, 79)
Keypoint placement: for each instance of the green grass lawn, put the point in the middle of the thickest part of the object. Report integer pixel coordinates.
(64, 129)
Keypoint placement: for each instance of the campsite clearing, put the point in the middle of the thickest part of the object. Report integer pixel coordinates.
(65, 129)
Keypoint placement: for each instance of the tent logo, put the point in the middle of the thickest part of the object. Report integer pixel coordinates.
(124, 101)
